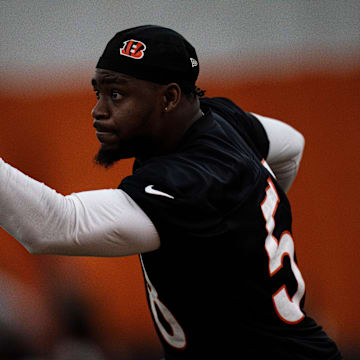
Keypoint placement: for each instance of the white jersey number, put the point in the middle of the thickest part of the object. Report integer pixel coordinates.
(288, 309)
(176, 337)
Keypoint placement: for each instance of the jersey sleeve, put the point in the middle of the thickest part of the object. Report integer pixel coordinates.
(249, 127)
(175, 200)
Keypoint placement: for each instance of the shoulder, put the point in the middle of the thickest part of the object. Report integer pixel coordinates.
(244, 123)
(200, 173)
(223, 106)
(180, 174)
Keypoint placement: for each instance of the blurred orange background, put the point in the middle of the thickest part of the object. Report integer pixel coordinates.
(51, 139)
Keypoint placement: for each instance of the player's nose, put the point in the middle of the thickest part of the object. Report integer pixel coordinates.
(100, 111)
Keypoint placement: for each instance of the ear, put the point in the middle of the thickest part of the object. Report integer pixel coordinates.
(171, 97)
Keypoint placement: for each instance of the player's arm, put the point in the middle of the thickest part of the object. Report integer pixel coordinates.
(286, 146)
(92, 223)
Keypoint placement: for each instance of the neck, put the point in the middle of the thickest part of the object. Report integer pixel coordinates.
(178, 122)
(172, 127)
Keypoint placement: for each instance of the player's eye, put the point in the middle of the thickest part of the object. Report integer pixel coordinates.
(115, 95)
(97, 93)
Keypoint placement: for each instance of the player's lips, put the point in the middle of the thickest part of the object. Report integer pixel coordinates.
(105, 136)
(102, 133)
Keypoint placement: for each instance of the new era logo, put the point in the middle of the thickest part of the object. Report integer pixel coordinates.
(133, 49)
(194, 62)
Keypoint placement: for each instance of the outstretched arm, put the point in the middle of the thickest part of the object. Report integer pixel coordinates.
(92, 223)
(285, 150)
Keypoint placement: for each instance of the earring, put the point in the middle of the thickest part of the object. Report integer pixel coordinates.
(165, 109)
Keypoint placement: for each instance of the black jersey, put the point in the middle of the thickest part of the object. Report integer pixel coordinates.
(225, 280)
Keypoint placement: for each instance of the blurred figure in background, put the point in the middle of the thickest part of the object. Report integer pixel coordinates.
(18, 327)
(77, 340)
(22, 319)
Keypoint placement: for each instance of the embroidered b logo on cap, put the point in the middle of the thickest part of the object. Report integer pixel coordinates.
(133, 48)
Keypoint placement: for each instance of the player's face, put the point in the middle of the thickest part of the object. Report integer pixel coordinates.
(126, 116)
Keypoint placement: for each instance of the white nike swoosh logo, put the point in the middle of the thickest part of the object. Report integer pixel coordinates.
(150, 190)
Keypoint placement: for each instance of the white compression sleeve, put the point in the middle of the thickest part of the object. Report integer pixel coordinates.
(285, 150)
(92, 223)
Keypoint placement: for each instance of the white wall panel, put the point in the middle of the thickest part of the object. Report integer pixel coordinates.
(43, 37)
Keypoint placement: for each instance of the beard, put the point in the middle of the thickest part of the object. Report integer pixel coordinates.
(108, 156)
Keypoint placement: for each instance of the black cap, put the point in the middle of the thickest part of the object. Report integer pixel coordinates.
(152, 53)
